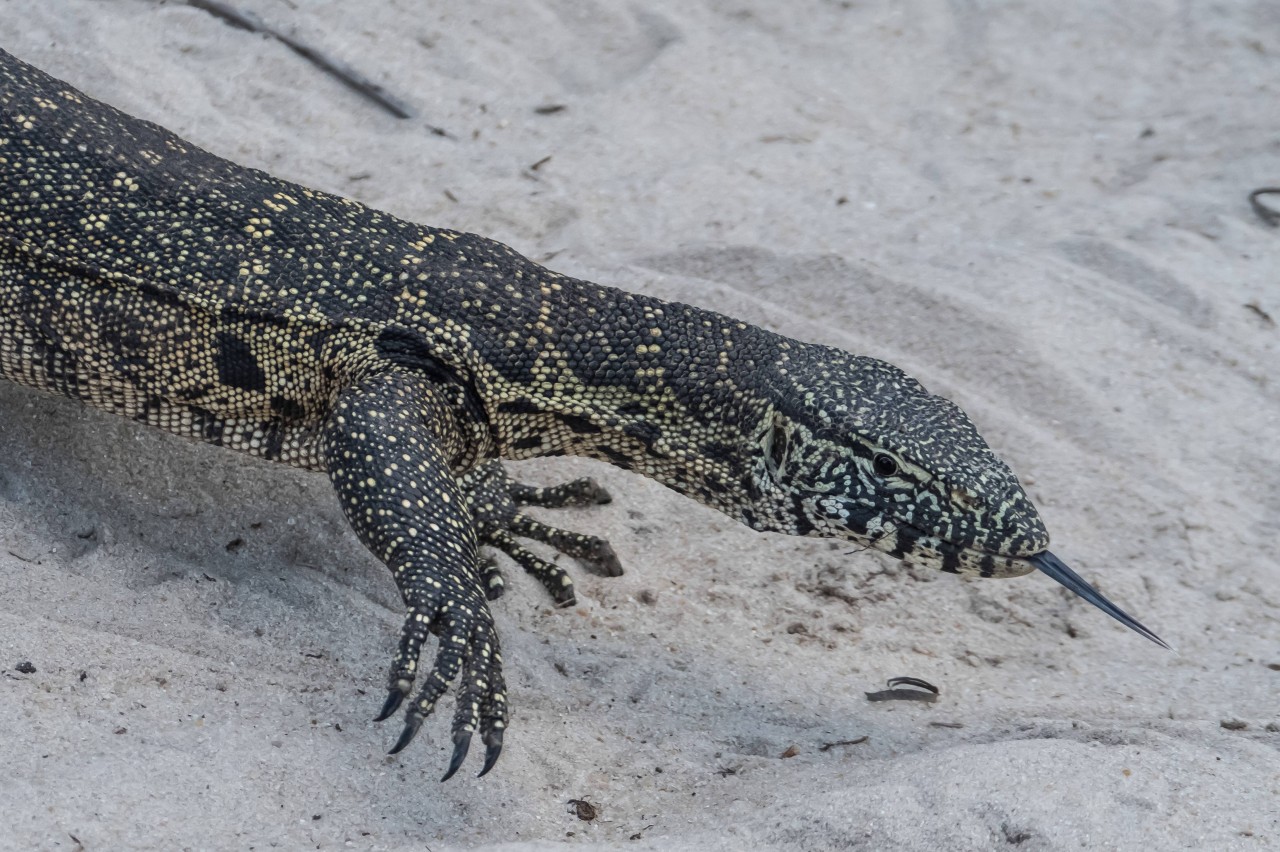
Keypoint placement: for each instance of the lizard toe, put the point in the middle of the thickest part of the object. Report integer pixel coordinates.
(411, 726)
(552, 577)
(491, 579)
(395, 696)
(461, 744)
(493, 748)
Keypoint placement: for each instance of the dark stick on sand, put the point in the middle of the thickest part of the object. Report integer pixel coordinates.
(344, 73)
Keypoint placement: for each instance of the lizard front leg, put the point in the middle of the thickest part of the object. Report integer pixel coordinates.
(387, 448)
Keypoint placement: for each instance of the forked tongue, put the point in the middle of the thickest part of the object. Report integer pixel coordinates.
(1055, 568)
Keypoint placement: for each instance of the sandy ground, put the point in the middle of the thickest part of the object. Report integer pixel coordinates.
(1041, 214)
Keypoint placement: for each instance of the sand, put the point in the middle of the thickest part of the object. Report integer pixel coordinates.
(1040, 213)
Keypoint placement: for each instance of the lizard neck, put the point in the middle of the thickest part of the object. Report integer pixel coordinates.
(664, 389)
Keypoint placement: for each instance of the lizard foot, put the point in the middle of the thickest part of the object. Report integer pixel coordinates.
(468, 647)
(495, 501)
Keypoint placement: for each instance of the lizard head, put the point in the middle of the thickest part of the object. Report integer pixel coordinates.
(854, 448)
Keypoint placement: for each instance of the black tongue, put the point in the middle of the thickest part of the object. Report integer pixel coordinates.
(1055, 568)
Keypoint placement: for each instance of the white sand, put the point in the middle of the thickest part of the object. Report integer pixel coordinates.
(1041, 214)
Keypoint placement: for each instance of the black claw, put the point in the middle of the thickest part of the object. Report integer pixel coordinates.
(411, 726)
(606, 562)
(461, 742)
(391, 705)
(493, 740)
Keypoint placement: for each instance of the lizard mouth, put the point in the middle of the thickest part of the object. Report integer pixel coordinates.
(1049, 564)
(989, 564)
(907, 541)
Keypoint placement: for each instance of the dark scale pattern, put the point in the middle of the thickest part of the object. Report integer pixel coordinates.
(149, 278)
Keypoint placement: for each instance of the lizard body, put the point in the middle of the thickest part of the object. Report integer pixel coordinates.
(149, 278)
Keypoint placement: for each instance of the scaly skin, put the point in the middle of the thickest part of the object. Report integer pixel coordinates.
(151, 279)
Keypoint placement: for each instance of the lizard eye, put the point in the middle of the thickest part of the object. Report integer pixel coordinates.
(884, 465)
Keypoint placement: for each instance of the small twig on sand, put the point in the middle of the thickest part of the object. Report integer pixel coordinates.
(1270, 215)
(928, 695)
(859, 741)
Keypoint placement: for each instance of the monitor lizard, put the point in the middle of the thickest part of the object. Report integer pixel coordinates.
(149, 278)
